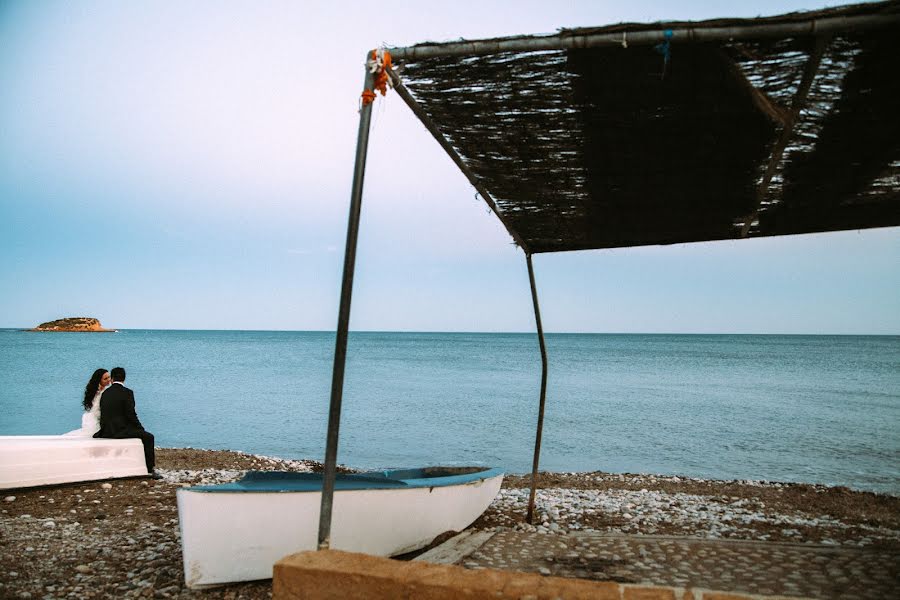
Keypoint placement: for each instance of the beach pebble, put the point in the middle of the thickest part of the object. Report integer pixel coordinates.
(9, 499)
(49, 524)
(83, 569)
(106, 486)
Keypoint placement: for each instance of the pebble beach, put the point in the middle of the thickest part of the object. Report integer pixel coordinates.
(120, 538)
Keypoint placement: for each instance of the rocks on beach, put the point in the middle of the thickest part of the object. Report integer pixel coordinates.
(650, 512)
(121, 538)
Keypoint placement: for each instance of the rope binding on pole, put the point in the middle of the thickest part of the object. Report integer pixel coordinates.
(379, 64)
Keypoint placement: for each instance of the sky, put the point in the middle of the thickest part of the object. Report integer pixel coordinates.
(180, 165)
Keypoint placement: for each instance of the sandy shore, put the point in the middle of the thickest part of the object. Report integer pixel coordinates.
(120, 539)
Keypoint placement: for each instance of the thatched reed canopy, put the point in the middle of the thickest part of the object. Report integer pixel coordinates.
(663, 133)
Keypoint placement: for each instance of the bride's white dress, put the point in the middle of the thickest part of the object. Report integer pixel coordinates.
(90, 420)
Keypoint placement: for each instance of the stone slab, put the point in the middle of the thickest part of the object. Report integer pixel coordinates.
(742, 567)
(456, 548)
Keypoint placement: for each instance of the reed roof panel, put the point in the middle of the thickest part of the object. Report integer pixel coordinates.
(749, 135)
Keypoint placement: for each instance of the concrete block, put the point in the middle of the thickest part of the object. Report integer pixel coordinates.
(332, 575)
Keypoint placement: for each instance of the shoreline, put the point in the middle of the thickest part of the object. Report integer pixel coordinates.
(120, 538)
(576, 477)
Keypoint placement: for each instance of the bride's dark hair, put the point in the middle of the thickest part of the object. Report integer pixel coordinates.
(91, 388)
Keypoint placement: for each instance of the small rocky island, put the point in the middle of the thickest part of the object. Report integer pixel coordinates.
(78, 324)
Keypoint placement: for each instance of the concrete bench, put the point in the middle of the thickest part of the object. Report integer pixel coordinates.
(32, 460)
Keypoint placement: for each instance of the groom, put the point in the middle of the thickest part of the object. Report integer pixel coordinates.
(118, 419)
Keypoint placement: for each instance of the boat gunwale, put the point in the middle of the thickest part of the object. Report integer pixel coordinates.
(345, 482)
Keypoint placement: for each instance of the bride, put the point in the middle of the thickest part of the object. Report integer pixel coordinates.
(90, 420)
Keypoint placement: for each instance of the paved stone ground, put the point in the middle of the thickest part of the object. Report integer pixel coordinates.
(738, 566)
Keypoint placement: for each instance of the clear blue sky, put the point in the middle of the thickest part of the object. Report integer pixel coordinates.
(187, 166)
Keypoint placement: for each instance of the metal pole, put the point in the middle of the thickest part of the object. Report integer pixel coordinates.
(453, 154)
(787, 131)
(340, 346)
(540, 424)
(678, 33)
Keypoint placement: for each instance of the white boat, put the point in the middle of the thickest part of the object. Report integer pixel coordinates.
(237, 531)
(32, 460)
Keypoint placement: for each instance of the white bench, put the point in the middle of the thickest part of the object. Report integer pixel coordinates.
(32, 460)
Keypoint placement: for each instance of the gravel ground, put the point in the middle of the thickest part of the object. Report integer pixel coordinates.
(657, 505)
(120, 538)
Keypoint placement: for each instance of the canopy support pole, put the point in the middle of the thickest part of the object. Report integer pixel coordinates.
(452, 153)
(678, 34)
(540, 424)
(340, 346)
(799, 100)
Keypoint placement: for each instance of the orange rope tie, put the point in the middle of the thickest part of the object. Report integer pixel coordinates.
(380, 68)
(381, 77)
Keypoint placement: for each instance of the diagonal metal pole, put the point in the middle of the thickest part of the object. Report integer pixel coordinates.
(540, 424)
(787, 131)
(340, 345)
(453, 154)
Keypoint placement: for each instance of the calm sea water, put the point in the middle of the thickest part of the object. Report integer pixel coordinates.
(787, 408)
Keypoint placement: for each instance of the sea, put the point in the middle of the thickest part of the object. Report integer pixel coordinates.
(790, 408)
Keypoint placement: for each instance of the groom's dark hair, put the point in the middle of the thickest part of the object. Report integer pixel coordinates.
(117, 374)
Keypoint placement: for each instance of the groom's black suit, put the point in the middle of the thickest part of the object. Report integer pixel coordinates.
(118, 420)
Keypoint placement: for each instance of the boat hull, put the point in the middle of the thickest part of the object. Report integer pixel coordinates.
(229, 537)
(34, 460)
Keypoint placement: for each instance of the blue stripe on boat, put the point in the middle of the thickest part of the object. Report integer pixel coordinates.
(283, 481)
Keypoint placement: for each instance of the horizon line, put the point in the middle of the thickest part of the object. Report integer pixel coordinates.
(416, 331)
